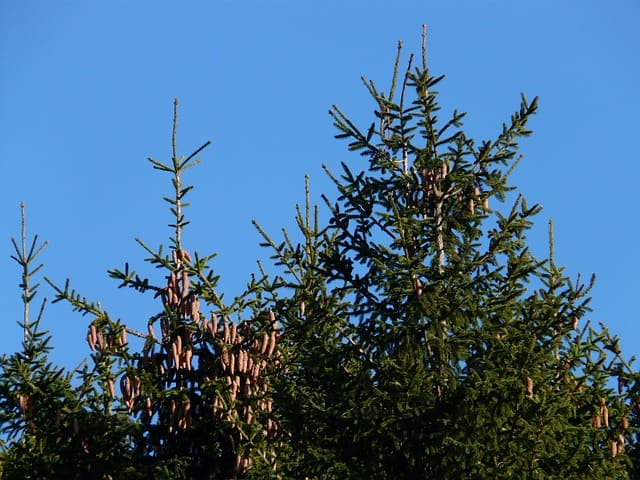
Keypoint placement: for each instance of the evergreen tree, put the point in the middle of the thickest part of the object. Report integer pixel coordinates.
(190, 399)
(414, 335)
(52, 426)
(430, 342)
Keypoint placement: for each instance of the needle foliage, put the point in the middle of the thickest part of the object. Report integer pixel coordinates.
(413, 334)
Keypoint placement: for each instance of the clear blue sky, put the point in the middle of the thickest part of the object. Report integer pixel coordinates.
(86, 92)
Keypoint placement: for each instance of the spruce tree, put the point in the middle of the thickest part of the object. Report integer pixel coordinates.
(429, 342)
(412, 335)
(53, 422)
(184, 393)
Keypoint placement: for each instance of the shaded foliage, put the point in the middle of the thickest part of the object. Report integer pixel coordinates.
(414, 335)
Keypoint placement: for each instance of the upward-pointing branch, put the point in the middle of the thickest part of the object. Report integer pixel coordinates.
(25, 258)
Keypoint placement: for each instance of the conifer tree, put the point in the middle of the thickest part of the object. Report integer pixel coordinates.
(430, 342)
(412, 335)
(185, 393)
(53, 426)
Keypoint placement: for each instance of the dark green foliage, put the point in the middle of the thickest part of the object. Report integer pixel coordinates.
(192, 401)
(53, 427)
(414, 335)
(434, 344)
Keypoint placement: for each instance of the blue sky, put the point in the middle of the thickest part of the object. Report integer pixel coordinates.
(86, 92)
